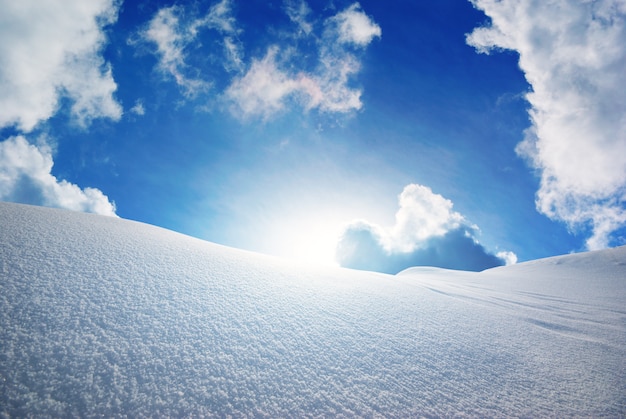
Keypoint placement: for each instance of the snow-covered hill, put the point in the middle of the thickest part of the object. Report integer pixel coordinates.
(107, 317)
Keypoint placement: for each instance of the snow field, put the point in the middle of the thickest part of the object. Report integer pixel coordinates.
(107, 317)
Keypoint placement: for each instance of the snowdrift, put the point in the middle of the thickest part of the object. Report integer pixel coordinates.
(107, 317)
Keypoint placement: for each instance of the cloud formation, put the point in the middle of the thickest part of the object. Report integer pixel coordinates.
(427, 232)
(25, 177)
(263, 86)
(280, 76)
(50, 50)
(573, 54)
(172, 32)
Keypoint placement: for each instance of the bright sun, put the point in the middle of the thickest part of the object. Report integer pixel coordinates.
(311, 240)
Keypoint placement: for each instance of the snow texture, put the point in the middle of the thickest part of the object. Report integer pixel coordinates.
(107, 317)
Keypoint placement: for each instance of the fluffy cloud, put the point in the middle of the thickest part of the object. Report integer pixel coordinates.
(270, 82)
(422, 214)
(48, 50)
(51, 50)
(508, 257)
(25, 176)
(138, 108)
(355, 27)
(573, 55)
(427, 232)
(172, 33)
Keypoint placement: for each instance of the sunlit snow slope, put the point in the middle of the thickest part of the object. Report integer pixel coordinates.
(106, 317)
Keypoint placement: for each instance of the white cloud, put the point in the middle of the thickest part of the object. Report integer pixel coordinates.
(51, 50)
(267, 85)
(427, 231)
(355, 27)
(138, 108)
(573, 55)
(332, 91)
(280, 76)
(25, 177)
(263, 89)
(48, 50)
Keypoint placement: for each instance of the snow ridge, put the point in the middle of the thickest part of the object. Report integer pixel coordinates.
(108, 317)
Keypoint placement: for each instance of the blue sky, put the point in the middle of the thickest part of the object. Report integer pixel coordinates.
(456, 133)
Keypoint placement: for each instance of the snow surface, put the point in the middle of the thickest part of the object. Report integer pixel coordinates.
(107, 317)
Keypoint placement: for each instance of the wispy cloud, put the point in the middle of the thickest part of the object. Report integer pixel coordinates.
(25, 177)
(573, 55)
(262, 86)
(171, 37)
(427, 232)
(172, 32)
(220, 17)
(234, 54)
(327, 87)
(42, 62)
(298, 12)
